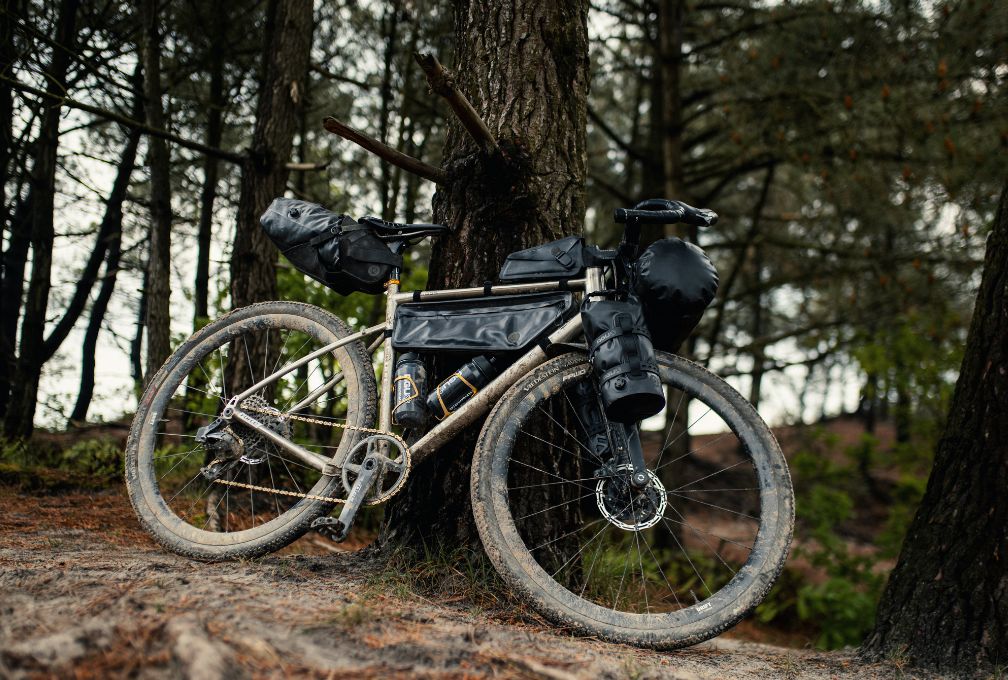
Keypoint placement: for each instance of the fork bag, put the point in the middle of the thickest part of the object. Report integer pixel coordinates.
(561, 259)
(333, 249)
(506, 323)
(623, 359)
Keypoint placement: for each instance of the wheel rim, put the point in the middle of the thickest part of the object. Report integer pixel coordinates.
(623, 573)
(170, 458)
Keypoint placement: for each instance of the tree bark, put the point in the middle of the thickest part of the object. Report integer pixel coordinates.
(19, 420)
(211, 165)
(525, 71)
(286, 48)
(946, 603)
(158, 320)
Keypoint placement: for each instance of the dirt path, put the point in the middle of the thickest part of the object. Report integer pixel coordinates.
(85, 593)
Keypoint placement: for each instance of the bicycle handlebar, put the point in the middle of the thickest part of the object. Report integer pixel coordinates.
(665, 211)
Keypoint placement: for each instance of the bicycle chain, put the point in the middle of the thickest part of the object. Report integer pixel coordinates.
(380, 498)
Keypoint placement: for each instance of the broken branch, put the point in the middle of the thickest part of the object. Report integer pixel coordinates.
(306, 167)
(441, 82)
(385, 152)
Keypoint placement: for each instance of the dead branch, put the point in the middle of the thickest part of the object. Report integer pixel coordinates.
(441, 82)
(306, 167)
(385, 152)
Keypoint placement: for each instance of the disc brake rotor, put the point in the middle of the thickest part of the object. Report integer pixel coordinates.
(626, 507)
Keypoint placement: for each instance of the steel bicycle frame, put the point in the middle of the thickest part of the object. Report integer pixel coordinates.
(474, 408)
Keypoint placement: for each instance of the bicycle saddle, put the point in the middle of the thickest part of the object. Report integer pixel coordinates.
(396, 230)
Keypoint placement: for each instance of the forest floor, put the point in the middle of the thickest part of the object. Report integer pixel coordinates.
(85, 593)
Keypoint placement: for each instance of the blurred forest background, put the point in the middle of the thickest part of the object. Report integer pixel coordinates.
(855, 151)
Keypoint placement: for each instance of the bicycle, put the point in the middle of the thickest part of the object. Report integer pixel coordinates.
(277, 405)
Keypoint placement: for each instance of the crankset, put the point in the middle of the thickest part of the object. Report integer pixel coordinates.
(374, 469)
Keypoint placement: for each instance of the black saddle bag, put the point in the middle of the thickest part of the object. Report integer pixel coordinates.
(561, 259)
(506, 323)
(620, 351)
(330, 248)
(675, 281)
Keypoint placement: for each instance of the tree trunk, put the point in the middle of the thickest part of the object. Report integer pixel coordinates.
(670, 17)
(525, 71)
(211, 165)
(97, 316)
(946, 603)
(286, 48)
(20, 415)
(158, 320)
(108, 231)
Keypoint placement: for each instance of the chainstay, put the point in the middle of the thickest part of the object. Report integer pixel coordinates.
(380, 498)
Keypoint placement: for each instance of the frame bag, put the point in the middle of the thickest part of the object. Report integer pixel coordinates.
(505, 323)
(676, 281)
(620, 351)
(330, 248)
(561, 259)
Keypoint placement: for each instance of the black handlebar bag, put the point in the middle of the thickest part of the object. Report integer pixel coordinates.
(675, 281)
(333, 249)
(621, 353)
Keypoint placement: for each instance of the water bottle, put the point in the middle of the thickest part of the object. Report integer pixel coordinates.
(410, 383)
(461, 386)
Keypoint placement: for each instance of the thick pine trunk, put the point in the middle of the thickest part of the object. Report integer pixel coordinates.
(523, 65)
(20, 415)
(946, 602)
(158, 284)
(211, 165)
(286, 48)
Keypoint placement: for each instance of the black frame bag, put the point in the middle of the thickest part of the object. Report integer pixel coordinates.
(333, 249)
(621, 353)
(505, 323)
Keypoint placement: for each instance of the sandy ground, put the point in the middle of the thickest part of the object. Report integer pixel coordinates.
(85, 593)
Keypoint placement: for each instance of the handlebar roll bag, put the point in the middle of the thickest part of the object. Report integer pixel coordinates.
(561, 259)
(505, 323)
(675, 281)
(333, 249)
(623, 359)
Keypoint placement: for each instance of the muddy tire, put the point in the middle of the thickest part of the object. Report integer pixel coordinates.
(645, 623)
(155, 507)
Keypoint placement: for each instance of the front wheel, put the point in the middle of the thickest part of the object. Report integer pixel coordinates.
(665, 566)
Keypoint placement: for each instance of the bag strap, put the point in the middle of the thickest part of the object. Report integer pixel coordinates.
(629, 343)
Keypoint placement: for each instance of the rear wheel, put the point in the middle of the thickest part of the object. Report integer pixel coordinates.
(192, 491)
(668, 565)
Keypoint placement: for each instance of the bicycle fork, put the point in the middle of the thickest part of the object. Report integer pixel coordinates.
(621, 441)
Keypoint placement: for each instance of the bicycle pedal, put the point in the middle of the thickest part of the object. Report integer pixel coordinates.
(332, 528)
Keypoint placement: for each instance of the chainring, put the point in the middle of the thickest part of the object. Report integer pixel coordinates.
(394, 460)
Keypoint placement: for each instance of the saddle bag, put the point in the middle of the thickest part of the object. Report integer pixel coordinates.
(506, 323)
(675, 281)
(623, 359)
(333, 249)
(561, 259)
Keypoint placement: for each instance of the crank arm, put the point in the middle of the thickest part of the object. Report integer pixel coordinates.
(341, 526)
